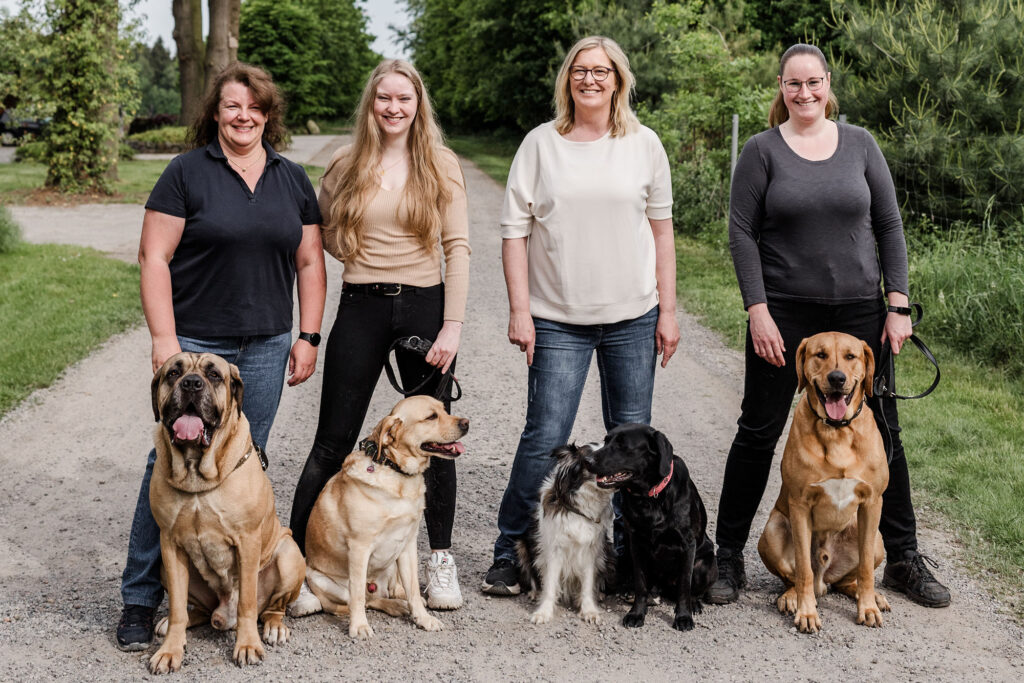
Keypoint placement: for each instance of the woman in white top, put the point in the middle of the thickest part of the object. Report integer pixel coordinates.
(589, 260)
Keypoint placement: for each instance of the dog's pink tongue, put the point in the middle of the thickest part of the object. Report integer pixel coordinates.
(836, 407)
(458, 447)
(188, 428)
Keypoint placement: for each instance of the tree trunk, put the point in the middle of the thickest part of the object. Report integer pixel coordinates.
(188, 37)
(222, 43)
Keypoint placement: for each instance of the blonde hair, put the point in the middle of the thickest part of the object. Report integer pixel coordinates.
(426, 195)
(622, 117)
(778, 113)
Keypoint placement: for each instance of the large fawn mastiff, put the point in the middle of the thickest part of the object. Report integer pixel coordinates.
(225, 554)
(823, 530)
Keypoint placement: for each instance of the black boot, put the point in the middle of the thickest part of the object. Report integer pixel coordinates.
(135, 630)
(912, 577)
(731, 578)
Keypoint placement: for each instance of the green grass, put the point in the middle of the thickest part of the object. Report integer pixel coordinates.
(58, 303)
(963, 442)
(492, 153)
(135, 180)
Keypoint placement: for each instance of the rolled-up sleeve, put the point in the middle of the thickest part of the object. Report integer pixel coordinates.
(659, 201)
(517, 211)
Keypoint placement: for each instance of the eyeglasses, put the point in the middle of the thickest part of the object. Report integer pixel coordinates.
(812, 85)
(599, 73)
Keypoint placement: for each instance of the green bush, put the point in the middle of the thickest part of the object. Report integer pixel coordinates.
(167, 139)
(31, 151)
(10, 231)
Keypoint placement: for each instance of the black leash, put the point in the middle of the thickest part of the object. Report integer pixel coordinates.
(421, 346)
(884, 385)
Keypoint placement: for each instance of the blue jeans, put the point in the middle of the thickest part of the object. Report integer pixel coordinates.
(626, 358)
(262, 362)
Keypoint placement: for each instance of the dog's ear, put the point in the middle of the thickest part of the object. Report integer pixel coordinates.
(869, 369)
(664, 450)
(568, 476)
(155, 389)
(237, 388)
(563, 451)
(801, 380)
(386, 432)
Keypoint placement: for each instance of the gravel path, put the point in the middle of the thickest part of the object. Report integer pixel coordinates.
(72, 457)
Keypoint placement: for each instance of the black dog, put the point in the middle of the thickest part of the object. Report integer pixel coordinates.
(664, 518)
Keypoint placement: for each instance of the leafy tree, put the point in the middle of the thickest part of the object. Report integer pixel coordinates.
(345, 45)
(199, 61)
(490, 63)
(941, 85)
(158, 79)
(285, 38)
(21, 44)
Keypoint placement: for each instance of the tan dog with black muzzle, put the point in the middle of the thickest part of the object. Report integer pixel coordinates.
(224, 551)
(823, 530)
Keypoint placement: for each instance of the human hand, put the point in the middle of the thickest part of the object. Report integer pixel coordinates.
(164, 348)
(522, 333)
(443, 351)
(897, 330)
(768, 342)
(666, 336)
(301, 362)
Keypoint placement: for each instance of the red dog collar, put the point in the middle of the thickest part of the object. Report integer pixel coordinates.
(653, 493)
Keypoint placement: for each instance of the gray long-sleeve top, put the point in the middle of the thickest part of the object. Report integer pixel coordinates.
(808, 230)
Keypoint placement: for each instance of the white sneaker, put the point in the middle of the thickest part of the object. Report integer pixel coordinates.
(305, 604)
(443, 582)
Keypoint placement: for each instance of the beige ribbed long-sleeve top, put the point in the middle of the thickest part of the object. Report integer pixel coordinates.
(393, 254)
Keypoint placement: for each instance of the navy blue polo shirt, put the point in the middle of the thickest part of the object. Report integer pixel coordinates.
(233, 271)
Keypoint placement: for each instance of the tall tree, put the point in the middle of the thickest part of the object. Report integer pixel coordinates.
(198, 62)
(345, 46)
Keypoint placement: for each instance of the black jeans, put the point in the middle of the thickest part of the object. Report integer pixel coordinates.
(356, 350)
(767, 397)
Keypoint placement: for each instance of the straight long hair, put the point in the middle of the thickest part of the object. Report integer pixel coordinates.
(778, 113)
(623, 119)
(426, 195)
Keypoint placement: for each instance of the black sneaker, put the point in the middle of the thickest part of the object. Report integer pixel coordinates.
(135, 630)
(912, 577)
(502, 578)
(731, 578)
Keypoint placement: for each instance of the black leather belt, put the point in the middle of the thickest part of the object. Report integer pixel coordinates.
(378, 288)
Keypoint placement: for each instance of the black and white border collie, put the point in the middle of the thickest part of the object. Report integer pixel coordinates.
(567, 548)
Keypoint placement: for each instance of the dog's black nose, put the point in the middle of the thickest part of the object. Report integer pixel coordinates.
(837, 378)
(192, 383)
(464, 424)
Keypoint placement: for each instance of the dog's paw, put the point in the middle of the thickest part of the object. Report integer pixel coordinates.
(542, 615)
(787, 602)
(429, 622)
(248, 653)
(807, 622)
(275, 632)
(683, 622)
(360, 631)
(882, 603)
(591, 617)
(696, 606)
(869, 615)
(165, 661)
(160, 630)
(633, 620)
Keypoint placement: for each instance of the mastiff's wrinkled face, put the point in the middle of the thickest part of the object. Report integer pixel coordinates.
(193, 395)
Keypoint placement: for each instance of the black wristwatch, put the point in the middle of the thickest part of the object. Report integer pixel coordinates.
(313, 338)
(902, 310)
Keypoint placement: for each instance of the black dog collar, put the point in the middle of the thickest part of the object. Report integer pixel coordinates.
(376, 454)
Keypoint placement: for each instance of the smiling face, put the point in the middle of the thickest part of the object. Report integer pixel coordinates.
(240, 119)
(805, 105)
(395, 105)
(589, 94)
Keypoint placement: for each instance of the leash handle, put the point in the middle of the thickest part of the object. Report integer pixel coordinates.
(885, 382)
(421, 346)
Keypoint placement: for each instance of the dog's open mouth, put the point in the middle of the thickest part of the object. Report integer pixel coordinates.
(452, 449)
(610, 480)
(190, 428)
(836, 403)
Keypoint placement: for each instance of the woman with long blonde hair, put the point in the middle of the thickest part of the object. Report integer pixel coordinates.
(393, 202)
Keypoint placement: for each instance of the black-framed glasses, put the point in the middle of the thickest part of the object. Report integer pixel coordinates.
(812, 84)
(599, 73)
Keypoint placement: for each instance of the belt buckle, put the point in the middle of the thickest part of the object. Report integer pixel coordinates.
(397, 289)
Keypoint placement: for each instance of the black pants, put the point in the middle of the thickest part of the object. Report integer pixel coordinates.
(767, 397)
(356, 350)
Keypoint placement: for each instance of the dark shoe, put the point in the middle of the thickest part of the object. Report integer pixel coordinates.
(731, 578)
(502, 578)
(912, 577)
(135, 630)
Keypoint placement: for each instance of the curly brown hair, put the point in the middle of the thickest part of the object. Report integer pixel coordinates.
(204, 130)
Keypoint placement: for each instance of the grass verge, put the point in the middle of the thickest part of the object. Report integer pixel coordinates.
(58, 303)
(963, 442)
